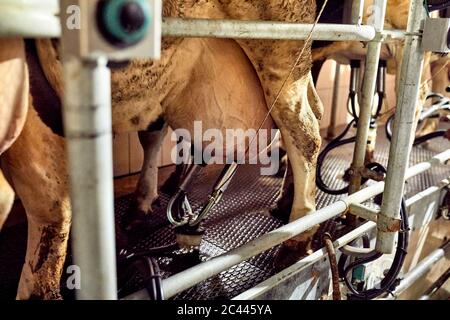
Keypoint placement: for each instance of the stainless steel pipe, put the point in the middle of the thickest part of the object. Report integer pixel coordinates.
(367, 98)
(203, 271)
(420, 270)
(403, 133)
(238, 29)
(87, 124)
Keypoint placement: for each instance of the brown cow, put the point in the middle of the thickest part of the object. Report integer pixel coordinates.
(396, 18)
(13, 108)
(150, 90)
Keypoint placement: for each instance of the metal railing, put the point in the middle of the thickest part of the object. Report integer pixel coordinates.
(37, 18)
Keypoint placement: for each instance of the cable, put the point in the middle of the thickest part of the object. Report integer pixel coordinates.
(307, 41)
(328, 243)
(417, 140)
(435, 5)
(388, 283)
(430, 112)
(437, 285)
(153, 281)
(335, 143)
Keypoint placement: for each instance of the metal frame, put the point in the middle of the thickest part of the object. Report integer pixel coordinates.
(192, 276)
(88, 130)
(89, 137)
(420, 270)
(295, 272)
(404, 129)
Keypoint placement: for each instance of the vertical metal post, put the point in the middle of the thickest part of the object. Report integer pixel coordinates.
(367, 96)
(402, 137)
(331, 133)
(357, 11)
(87, 121)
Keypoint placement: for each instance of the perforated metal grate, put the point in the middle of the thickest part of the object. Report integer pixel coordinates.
(242, 216)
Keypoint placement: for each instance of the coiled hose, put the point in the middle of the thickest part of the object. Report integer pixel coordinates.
(335, 143)
(417, 140)
(389, 281)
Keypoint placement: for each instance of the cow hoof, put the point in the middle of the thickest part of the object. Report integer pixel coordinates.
(281, 214)
(289, 254)
(137, 219)
(184, 261)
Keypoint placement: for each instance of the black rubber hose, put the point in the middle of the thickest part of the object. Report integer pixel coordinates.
(321, 158)
(153, 281)
(388, 283)
(418, 140)
(436, 5)
(157, 251)
(335, 143)
(429, 136)
(353, 113)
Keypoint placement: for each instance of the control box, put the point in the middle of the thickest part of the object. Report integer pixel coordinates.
(436, 35)
(116, 29)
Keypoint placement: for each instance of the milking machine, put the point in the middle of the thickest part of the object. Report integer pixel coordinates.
(371, 171)
(353, 272)
(187, 227)
(440, 105)
(126, 29)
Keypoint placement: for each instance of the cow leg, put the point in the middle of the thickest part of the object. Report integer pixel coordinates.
(286, 200)
(38, 169)
(296, 118)
(439, 84)
(284, 203)
(147, 187)
(6, 199)
(170, 186)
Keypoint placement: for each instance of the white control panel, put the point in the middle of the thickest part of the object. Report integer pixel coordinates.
(116, 29)
(436, 35)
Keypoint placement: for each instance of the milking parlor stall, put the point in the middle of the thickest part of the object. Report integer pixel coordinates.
(224, 150)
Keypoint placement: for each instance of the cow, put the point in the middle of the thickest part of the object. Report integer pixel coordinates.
(155, 92)
(13, 108)
(439, 79)
(396, 18)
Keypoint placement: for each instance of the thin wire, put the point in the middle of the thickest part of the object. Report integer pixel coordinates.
(435, 75)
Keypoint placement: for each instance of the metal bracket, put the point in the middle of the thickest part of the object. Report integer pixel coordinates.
(385, 224)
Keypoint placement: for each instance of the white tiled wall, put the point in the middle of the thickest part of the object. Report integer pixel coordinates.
(128, 154)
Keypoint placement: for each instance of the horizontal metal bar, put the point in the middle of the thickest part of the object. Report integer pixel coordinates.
(427, 192)
(364, 212)
(341, 243)
(190, 277)
(238, 29)
(20, 18)
(356, 251)
(301, 265)
(30, 23)
(420, 270)
(51, 6)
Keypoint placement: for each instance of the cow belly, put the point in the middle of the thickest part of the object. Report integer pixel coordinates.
(224, 97)
(13, 91)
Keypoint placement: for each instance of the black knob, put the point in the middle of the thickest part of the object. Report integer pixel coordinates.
(124, 23)
(132, 17)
